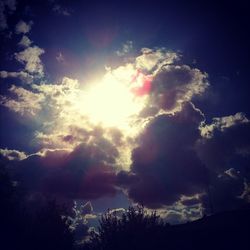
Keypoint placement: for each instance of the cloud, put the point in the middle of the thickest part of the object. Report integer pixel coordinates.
(23, 27)
(181, 213)
(78, 174)
(126, 48)
(61, 10)
(168, 159)
(178, 156)
(13, 154)
(117, 211)
(6, 7)
(22, 75)
(225, 150)
(162, 175)
(222, 124)
(79, 222)
(25, 42)
(30, 57)
(173, 84)
(153, 60)
(225, 142)
(24, 102)
(60, 58)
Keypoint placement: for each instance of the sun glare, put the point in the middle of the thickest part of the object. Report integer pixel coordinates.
(114, 101)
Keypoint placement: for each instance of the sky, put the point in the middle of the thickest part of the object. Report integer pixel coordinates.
(108, 104)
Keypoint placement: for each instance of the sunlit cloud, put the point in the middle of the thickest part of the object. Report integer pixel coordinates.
(25, 102)
(13, 154)
(135, 128)
(30, 57)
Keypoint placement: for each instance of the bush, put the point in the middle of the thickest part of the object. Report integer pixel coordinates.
(134, 229)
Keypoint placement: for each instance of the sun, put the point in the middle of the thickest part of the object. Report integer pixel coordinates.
(117, 99)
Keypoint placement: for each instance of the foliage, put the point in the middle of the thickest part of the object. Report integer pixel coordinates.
(24, 227)
(127, 231)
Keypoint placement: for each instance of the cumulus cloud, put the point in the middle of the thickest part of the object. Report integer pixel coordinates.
(22, 75)
(173, 85)
(13, 154)
(25, 42)
(24, 102)
(23, 27)
(180, 156)
(225, 150)
(30, 57)
(224, 141)
(170, 157)
(181, 213)
(153, 60)
(223, 123)
(78, 174)
(162, 175)
(6, 7)
(70, 127)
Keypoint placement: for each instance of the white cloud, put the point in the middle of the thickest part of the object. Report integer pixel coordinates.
(179, 212)
(155, 59)
(31, 58)
(13, 154)
(173, 85)
(22, 75)
(25, 102)
(25, 42)
(221, 123)
(67, 122)
(23, 27)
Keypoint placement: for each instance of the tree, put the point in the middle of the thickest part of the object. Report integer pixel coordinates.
(23, 227)
(134, 229)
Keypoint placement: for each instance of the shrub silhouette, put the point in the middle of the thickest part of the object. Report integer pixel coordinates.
(134, 229)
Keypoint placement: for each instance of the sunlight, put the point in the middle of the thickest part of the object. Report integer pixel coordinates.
(114, 100)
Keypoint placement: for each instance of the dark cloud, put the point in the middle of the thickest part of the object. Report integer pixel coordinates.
(165, 163)
(183, 162)
(174, 84)
(226, 143)
(225, 150)
(83, 173)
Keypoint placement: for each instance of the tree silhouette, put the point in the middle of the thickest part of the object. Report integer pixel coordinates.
(23, 228)
(132, 230)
